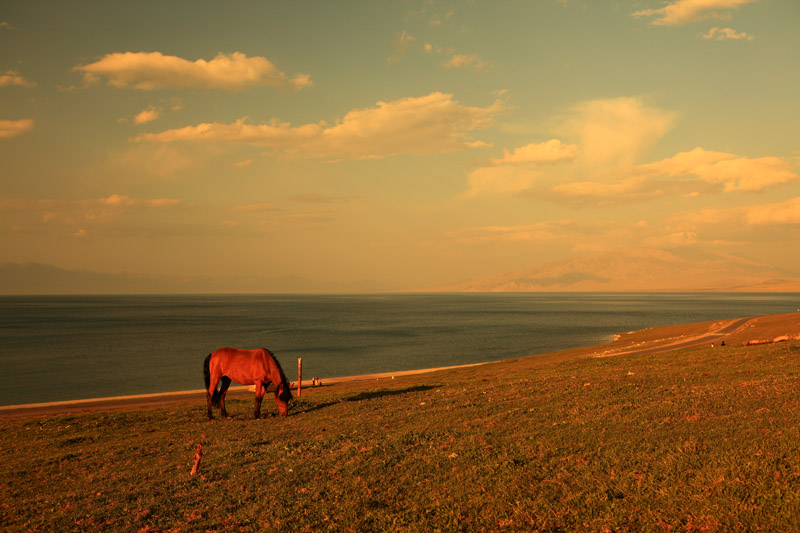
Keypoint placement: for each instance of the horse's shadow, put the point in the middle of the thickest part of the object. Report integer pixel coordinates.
(369, 395)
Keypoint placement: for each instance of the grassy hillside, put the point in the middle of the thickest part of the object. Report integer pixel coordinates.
(697, 439)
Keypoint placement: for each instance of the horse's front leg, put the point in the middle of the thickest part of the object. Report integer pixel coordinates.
(260, 389)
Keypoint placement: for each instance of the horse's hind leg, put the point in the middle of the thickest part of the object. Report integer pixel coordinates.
(223, 390)
(212, 389)
(260, 389)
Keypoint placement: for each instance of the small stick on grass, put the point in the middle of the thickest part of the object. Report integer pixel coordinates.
(197, 456)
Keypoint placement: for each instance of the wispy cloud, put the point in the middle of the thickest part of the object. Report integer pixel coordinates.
(724, 34)
(774, 214)
(733, 172)
(615, 132)
(432, 16)
(541, 231)
(612, 135)
(732, 225)
(501, 179)
(604, 166)
(401, 42)
(454, 60)
(472, 61)
(426, 125)
(79, 218)
(685, 173)
(600, 193)
(147, 115)
(153, 70)
(13, 78)
(268, 217)
(514, 173)
(681, 12)
(14, 128)
(255, 208)
(124, 201)
(547, 152)
(319, 198)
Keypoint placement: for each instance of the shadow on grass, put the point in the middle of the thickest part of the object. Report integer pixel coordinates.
(368, 395)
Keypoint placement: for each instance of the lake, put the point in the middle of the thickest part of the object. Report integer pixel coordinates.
(56, 348)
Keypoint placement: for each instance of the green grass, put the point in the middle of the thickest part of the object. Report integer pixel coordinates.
(694, 440)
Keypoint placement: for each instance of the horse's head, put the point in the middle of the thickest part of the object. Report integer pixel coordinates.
(283, 390)
(283, 394)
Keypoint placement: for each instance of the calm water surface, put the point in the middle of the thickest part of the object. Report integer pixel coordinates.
(56, 348)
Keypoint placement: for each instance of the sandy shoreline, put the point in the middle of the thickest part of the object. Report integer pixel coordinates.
(162, 398)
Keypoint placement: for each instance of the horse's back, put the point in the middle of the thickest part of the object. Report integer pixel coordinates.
(228, 352)
(240, 365)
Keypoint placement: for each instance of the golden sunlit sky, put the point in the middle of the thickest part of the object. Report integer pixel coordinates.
(413, 143)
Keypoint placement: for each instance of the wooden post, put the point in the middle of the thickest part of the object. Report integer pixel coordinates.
(197, 456)
(299, 376)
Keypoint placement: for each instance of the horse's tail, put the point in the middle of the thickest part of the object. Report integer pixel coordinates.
(207, 375)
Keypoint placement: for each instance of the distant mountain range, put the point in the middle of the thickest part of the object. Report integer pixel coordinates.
(643, 270)
(638, 270)
(37, 278)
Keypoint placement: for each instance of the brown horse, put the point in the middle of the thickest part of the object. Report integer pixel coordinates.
(248, 367)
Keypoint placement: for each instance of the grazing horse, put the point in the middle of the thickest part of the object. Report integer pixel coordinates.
(248, 367)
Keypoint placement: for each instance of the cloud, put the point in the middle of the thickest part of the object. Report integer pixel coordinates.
(148, 71)
(686, 171)
(602, 193)
(14, 128)
(547, 152)
(426, 125)
(5, 25)
(511, 174)
(255, 208)
(319, 198)
(612, 134)
(672, 240)
(432, 16)
(737, 224)
(466, 61)
(502, 179)
(148, 115)
(723, 34)
(616, 132)
(77, 217)
(400, 43)
(775, 214)
(162, 161)
(735, 173)
(681, 12)
(267, 217)
(243, 163)
(541, 231)
(455, 60)
(13, 78)
(604, 168)
(121, 201)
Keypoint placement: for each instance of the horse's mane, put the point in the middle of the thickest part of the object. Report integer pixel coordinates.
(284, 381)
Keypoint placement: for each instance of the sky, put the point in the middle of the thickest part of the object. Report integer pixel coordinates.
(411, 143)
